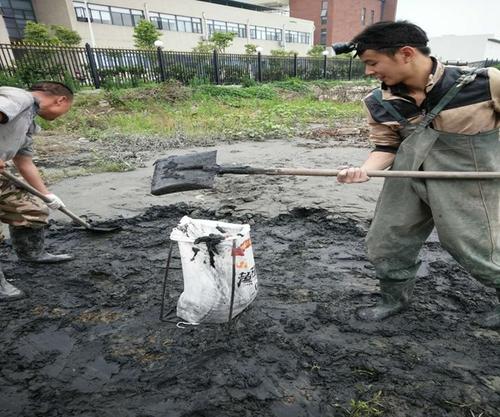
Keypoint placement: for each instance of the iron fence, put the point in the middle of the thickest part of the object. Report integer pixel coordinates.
(105, 67)
(23, 65)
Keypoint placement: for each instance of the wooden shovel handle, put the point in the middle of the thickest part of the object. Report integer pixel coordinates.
(335, 172)
(34, 191)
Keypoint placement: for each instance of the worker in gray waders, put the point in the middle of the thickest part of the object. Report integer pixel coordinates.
(25, 214)
(430, 117)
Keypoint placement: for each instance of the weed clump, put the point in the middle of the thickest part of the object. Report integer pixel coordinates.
(168, 92)
(262, 92)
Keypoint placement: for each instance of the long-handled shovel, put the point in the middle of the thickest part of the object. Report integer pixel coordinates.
(79, 220)
(197, 171)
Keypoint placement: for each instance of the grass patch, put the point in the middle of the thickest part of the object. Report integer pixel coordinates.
(52, 176)
(201, 111)
(102, 164)
(369, 408)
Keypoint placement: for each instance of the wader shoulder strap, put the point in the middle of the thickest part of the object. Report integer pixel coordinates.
(462, 81)
(377, 94)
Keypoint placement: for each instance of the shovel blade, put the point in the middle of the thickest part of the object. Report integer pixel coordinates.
(178, 173)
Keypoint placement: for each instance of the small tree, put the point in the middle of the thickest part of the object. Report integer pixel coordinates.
(316, 50)
(282, 52)
(222, 40)
(38, 33)
(204, 47)
(66, 36)
(145, 35)
(218, 41)
(250, 49)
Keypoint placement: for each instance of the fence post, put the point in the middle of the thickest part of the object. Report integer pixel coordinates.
(350, 68)
(259, 67)
(324, 66)
(161, 65)
(216, 67)
(295, 65)
(93, 66)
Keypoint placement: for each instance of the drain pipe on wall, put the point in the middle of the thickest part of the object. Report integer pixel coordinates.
(89, 21)
(382, 7)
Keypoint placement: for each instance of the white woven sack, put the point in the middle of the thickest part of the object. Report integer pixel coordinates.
(207, 289)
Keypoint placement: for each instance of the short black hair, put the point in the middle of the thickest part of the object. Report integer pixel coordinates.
(54, 88)
(389, 37)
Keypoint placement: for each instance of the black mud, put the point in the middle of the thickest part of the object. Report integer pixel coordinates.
(88, 342)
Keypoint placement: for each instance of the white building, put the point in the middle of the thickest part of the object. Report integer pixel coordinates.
(471, 48)
(183, 23)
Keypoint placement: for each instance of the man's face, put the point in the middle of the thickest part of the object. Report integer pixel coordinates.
(51, 107)
(388, 69)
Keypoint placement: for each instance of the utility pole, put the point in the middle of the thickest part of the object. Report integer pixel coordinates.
(89, 18)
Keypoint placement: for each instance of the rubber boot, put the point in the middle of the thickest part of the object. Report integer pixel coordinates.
(491, 320)
(7, 291)
(395, 298)
(29, 245)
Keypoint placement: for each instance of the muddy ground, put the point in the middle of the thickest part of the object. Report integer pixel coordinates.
(88, 341)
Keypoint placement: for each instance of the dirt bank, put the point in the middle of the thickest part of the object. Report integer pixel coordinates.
(88, 342)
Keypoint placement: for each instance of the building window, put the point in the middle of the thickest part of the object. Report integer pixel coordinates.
(164, 21)
(322, 37)
(125, 17)
(107, 15)
(372, 17)
(238, 29)
(176, 23)
(324, 12)
(258, 32)
(184, 24)
(16, 13)
(100, 14)
(196, 25)
(137, 16)
(266, 33)
(363, 16)
(81, 14)
(273, 34)
(292, 36)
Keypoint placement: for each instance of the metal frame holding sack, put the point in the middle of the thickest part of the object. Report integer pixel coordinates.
(218, 269)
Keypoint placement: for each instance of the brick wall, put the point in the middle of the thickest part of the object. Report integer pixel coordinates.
(344, 16)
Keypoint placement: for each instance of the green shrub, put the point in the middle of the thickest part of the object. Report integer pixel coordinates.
(262, 92)
(32, 72)
(248, 81)
(70, 81)
(10, 80)
(292, 84)
(197, 81)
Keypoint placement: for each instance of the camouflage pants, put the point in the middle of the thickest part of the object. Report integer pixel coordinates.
(19, 208)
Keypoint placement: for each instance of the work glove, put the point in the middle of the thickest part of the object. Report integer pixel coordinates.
(55, 202)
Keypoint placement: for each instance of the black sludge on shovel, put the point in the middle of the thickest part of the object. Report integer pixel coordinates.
(183, 173)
